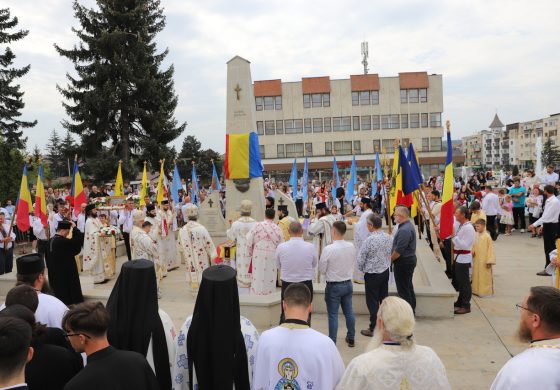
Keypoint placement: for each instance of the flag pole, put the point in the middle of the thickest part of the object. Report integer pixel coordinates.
(384, 182)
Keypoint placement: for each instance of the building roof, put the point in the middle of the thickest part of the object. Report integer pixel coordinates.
(316, 84)
(411, 80)
(268, 88)
(365, 82)
(496, 123)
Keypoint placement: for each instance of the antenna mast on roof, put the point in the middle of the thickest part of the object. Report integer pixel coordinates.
(365, 55)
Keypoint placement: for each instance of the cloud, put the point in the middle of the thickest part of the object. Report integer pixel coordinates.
(492, 54)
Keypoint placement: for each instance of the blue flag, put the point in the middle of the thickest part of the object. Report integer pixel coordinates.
(415, 169)
(293, 180)
(175, 185)
(409, 184)
(378, 173)
(194, 187)
(352, 182)
(215, 179)
(336, 179)
(304, 180)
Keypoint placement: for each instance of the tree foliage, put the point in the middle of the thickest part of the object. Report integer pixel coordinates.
(550, 153)
(192, 151)
(11, 166)
(121, 103)
(11, 102)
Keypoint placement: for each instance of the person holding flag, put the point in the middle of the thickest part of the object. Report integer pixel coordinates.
(40, 220)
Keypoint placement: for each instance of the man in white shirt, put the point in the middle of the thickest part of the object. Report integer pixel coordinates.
(186, 204)
(491, 207)
(463, 241)
(296, 260)
(337, 263)
(549, 222)
(294, 356)
(40, 233)
(550, 177)
(6, 245)
(361, 232)
(125, 220)
(537, 367)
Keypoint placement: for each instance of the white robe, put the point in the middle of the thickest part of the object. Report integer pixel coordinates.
(142, 246)
(170, 336)
(199, 250)
(238, 233)
(321, 231)
(180, 368)
(168, 248)
(262, 241)
(393, 367)
(361, 232)
(96, 250)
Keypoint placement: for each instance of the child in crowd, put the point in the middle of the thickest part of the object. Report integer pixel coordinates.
(507, 214)
(334, 212)
(483, 260)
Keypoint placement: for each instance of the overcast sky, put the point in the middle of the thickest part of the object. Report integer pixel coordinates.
(494, 55)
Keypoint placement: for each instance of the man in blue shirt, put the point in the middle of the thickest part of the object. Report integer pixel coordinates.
(403, 255)
(517, 193)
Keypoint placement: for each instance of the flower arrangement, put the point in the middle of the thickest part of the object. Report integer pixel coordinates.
(99, 201)
(110, 231)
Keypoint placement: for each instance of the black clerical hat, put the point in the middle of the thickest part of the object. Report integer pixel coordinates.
(282, 207)
(366, 200)
(90, 207)
(29, 264)
(150, 207)
(63, 225)
(321, 205)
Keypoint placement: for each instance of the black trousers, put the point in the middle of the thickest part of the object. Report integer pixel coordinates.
(491, 226)
(377, 289)
(549, 232)
(299, 207)
(6, 260)
(126, 237)
(462, 284)
(447, 255)
(429, 235)
(519, 217)
(404, 269)
(285, 285)
(42, 246)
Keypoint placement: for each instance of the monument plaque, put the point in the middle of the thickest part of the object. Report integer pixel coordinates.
(211, 215)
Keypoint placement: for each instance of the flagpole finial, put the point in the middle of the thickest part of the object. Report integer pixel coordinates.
(145, 162)
(120, 162)
(192, 162)
(448, 125)
(76, 157)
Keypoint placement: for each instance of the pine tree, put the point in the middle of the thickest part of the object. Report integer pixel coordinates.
(54, 155)
(68, 148)
(550, 153)
(121, 96)
(11, 102)
(11, 165)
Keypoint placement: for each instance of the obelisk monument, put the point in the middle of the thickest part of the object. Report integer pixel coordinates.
(240, 118)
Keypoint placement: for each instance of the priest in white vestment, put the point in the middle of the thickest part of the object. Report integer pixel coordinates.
(538, 366)
(96, 248)
(197, 245)
(320, 230)
(168, 248)
(142, 245)
(262, 241)
(238, 233)
(395, 361)
(361, 232)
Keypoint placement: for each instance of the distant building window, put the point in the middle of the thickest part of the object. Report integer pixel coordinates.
(364, 98)
(404, 96)
(316, 100)
(435, 119)
(269, 103)
(357, 147)
(413, 96)
(280, 151)
(424, 120)
(389, 121)
(342, 147)
(366, 122)
(278, 102)
(375, 122)
(341, 123)
(307, 125)
(355, 98)
(326, 100)
(356, 123)
(279, 127)
(308, 149)
(260, 128)
(293, 126)
(376, 146)
(328, 148)
(388, 145)
(261, 151)
(435, 143)
(317, 125)
(423, 95)
(374, 97)
(294, 150)
(551, 133)
(259, 103)
(414, 121)
(306, 101)
(404, 121)
(327, 126)
(269, 128)
(425, 144)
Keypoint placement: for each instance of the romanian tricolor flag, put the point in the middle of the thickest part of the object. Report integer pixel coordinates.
(119, 186)
(77, 190)
(23, 204)
(243, 158)
(40, 202)
(447, 206)
(397, 196)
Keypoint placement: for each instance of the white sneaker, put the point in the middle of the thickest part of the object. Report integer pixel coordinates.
(513, 229)
(522, 231)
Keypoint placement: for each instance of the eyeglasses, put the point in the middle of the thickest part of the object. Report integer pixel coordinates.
(520, 306)
(76, 334)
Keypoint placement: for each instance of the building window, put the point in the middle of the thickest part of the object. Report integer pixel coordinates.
(342, 147)
(356, 123)
(384, 121)
(280, 151)
(435, 119)
(261, 151)
(294, 150)
(366, 122)
(355, 99)
(341, 123)
(306, 101)
(260, 128)
(278, 102)
(404, 96)
(376, 146)
(435, 143)
(269, 128)
(375, 122)
(293, 126)
(268, 103)
(413, 96)
(424, 120)
(423, 95)
(388, 145)
(317, 125)
(364, 98)
(357, 147)
(307, 125)
(425, 144)
(328, 148)
(317, 100)
(259, 103)
(414, 121)
(551, 133)
(279, 127)
(374, 97)
(404, 121)
(308, 149)
(389, 121)
(327, 124)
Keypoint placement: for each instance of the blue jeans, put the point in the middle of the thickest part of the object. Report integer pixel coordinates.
(340, 294)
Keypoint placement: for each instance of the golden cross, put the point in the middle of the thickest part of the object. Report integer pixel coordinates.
(237, 89)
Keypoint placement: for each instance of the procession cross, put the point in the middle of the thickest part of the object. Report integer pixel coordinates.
(237, 89)
(281, 201)
(210, 202)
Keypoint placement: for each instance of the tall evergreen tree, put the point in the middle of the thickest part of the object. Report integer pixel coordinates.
(11, 102)
(121, 103)
(54, 155)
(550, 153)
(11, 165)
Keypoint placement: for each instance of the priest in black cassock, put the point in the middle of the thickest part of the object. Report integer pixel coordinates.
(63, 272)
